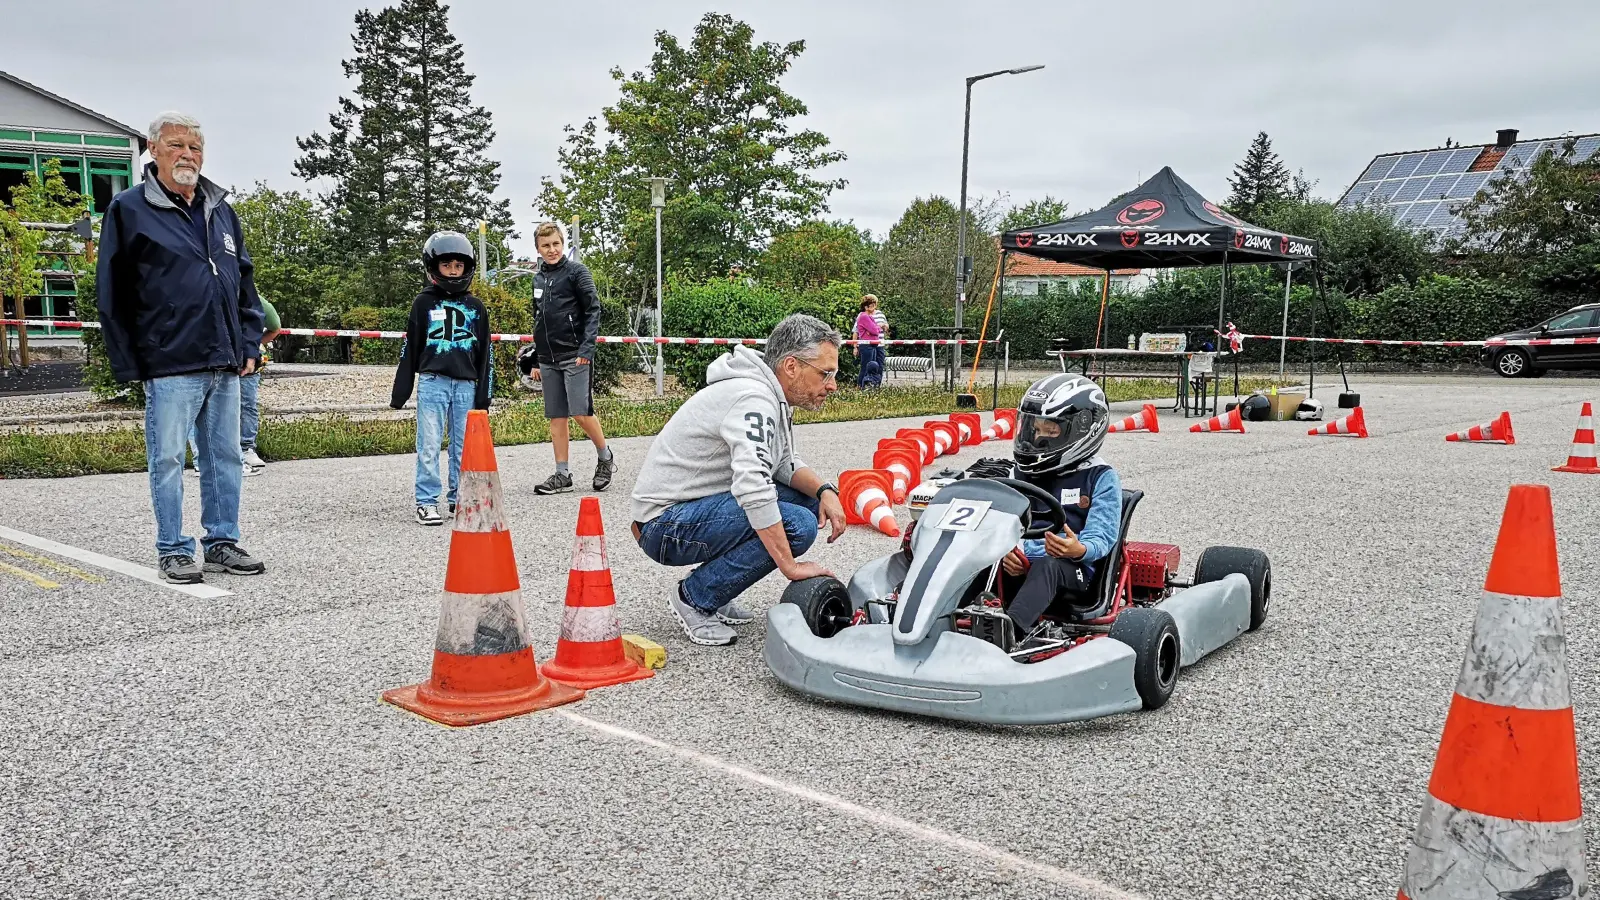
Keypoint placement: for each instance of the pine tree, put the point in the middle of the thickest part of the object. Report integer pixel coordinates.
(1259, 180)
(407, 155)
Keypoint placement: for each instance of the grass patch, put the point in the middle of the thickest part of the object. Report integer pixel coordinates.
(111, 450)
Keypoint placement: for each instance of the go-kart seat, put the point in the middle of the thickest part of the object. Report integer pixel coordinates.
(1102, 592)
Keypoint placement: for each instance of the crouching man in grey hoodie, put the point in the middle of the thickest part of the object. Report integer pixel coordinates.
(722, 486)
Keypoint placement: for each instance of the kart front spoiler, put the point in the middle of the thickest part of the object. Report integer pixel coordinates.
(951, 676)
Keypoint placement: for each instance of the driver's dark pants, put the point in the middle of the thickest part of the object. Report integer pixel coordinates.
(1048, 578)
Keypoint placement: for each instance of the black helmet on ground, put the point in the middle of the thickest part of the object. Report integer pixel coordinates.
(1061, 424)
(445, 245)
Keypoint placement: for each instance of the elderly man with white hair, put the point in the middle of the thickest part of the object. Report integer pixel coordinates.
(179, 312)
(723, 486)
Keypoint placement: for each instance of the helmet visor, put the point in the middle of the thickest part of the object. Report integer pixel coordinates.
(1045, 435)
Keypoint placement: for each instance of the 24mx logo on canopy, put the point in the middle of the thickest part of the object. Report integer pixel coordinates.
(1061, 240)
(1175, 239)
(1142, 212)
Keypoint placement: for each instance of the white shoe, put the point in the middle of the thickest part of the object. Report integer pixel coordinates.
(253, 459)
(249, 471)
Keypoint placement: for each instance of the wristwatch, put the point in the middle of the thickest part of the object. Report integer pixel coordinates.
(826, 486)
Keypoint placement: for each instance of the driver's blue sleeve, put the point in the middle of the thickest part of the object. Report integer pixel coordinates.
(1100, 526)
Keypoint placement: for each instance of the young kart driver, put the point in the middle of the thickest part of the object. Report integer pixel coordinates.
(1061, 424)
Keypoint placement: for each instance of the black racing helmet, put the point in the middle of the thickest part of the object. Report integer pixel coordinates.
(445, 245)
(1061, 423)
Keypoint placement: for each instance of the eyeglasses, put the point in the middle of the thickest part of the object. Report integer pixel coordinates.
(827, 374)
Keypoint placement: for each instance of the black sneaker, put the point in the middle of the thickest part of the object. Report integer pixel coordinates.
(559, 483)
(429, 515)
(180, 568)
(452, 507)
(603, 472)
(232, 559)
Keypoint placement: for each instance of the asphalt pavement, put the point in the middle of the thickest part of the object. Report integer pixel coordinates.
(155, 744)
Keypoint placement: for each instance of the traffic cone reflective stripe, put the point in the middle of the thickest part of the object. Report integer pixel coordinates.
(1498, 431)
(969, 426)
(1503, 816)
(865, 493)
(1005, 424)
(924, 439)
(1233, 421)
(1582, 457)
(590, 652)
(1146, 420)
(1354, 425)
(483, 663)
(902, 466)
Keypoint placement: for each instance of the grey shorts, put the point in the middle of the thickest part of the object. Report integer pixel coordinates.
(566, 389)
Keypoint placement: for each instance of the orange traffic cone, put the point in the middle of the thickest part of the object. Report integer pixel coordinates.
(866, 499)
(946, 437)
(1581, 459)
(907, 444)
(924, 438)
(1146, 420)
(1354, 425)
(483, 665)
(902, 466)
(1496, 432)
(590, 654)
(1503, 816)
(1233, 421)
(1005, 425)
(970, 426)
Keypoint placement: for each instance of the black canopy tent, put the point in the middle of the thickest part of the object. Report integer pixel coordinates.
(1162, 224)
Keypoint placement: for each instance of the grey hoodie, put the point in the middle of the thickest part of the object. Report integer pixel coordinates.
(734, 436)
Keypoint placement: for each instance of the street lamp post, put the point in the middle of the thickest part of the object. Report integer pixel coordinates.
(963, 265)
(658, 201)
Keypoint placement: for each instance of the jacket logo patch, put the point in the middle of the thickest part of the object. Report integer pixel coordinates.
(227, 244)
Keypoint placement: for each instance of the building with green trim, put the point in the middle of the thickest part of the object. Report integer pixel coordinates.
(99, 156)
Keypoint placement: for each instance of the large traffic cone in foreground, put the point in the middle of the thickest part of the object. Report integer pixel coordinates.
(1503, 818)
(947, 438)
(483, 665)
(866, 499)
(903, 468)
(1496, 432)
(1354, 425)
(923, 437)
(1233, 421)
(1146, 420)
(1581, 459)
(1005, 425)
(590, 653)
(970, 426)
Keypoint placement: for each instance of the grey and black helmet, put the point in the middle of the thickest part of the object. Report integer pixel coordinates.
(1061, 423)
(445, 245)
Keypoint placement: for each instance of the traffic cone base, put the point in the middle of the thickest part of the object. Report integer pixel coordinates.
(1582, 458)
(1496, 432)
(1353, 425)
(590, 652)
(1146, 420)
(462, 691)
(1233, 422)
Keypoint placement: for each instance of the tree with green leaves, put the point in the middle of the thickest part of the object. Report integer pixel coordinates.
(915, 273)
(1046, 210)
(290, 243)
(1259, 180)
(710, 116)
(814, 255)
(25, 252)
(406, 155)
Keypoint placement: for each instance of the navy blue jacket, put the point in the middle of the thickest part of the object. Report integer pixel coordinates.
(168, 305)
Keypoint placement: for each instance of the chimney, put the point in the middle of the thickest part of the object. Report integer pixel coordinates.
(1505, 137)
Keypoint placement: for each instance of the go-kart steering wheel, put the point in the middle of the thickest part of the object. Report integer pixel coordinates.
(1058, 515)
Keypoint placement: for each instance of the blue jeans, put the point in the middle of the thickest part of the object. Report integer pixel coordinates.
(715, 532)
(249, 410)
(440, 400)
(207, 404)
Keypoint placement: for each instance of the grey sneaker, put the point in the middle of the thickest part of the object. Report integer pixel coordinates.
(603, 472)
(180, 568)
(253, 459)
(732, 613)
(249, 472)
(233, 559)
(559, 483)
(429, 515)
(701, 627)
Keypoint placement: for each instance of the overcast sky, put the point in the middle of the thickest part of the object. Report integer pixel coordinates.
(1128, 86)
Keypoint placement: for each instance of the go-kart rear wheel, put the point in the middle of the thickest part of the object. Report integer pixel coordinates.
(1153, 635)
(1217, 563)
(824, 604)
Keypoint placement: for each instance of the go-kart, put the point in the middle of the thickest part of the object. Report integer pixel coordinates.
(924, 630)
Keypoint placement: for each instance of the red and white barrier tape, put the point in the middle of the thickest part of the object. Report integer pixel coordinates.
(1528, 342)
(526, 338)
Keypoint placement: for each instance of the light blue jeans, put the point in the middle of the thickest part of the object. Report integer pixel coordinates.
(441, 403)
(249, 410)
(206, 403)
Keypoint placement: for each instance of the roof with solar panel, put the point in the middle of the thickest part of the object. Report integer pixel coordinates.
(1426, 189)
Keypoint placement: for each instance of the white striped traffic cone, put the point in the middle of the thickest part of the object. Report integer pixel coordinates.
(902, 466)
(1496, 432)
(1582, 459)
(1005, 424)
(1233, 421)
(865, 493)
(1354, 425)
(1146, 420)
(590, 652)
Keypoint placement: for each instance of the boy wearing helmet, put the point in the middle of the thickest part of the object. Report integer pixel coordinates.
(1061, 424)
(447, 350)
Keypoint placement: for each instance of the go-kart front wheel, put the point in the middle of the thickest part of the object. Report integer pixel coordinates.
(1217, 563)
(824, 604)
(1157, 653)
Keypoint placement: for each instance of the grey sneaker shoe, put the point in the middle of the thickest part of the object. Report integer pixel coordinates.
(253, 459)
(180, 568)
(249, 472)
(603, 472)
(701, 627)
(559, 483)
(732, 613)
(429, 515)
(233, 559)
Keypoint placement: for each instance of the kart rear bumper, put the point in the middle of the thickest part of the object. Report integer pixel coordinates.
(953, 676)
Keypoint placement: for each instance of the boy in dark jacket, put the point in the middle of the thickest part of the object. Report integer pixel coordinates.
(566, 324)
(448, 351)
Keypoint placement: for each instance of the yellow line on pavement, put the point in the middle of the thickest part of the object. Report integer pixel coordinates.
(25, 575)
(52, 564)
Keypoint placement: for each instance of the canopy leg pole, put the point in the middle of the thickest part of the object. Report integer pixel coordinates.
(1327, 311)
(1283, 340)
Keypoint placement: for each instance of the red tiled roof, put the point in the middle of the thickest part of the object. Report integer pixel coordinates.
(1024, 265)
(1488, 159)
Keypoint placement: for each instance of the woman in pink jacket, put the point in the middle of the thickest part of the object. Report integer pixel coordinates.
(869, 328)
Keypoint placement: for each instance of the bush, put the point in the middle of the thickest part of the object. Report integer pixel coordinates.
(717, 308)
(375, 351)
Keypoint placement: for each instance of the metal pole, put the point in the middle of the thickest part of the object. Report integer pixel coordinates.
(961, 234)
(660, 368)
(1283, 341)
(1008, 362)
(483, 259)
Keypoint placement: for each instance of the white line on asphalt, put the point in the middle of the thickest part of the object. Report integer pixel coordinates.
(1062, 877)
(120, 566)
